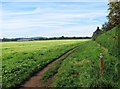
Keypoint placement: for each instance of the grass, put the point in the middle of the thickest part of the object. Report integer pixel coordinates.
(51, 72)
(81, 69)
(110, 40)
(0, 66)
(22, 59)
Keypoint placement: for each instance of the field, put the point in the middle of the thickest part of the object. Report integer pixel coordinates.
(21, 60)
(82, 68)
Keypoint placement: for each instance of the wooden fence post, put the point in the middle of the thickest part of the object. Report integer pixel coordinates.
(101, 64)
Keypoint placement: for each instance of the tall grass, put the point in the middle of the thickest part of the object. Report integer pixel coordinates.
(82, 69)
(110, 40)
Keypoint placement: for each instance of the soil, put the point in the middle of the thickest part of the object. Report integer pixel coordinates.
(34, 81)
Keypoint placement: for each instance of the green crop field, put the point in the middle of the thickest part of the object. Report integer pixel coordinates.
(20, 60)
(56, 44)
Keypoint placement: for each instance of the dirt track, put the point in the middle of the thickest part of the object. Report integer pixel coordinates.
(34, 81)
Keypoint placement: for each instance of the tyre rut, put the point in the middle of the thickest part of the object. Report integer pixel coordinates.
(34, 81)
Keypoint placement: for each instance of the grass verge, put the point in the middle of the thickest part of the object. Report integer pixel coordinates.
(82, 69)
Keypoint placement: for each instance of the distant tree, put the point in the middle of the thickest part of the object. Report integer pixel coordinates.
(106, 26)
(62, 37)
(96, 33)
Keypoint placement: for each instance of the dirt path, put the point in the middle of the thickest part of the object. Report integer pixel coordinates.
(102, 47)
(34, 81)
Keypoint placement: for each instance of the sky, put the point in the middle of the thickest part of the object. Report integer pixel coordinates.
(51, 19)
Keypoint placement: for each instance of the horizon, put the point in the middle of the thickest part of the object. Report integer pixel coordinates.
(52, 19)
(44, 37)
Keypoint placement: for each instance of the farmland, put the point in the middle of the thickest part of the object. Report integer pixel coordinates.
(82, 68)
(21, 60)
(60, 44)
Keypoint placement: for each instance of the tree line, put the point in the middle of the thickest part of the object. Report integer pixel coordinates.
(113, 18)
(41, 38)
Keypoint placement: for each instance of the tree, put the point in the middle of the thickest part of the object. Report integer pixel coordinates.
(106, 26)
(114, 13)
